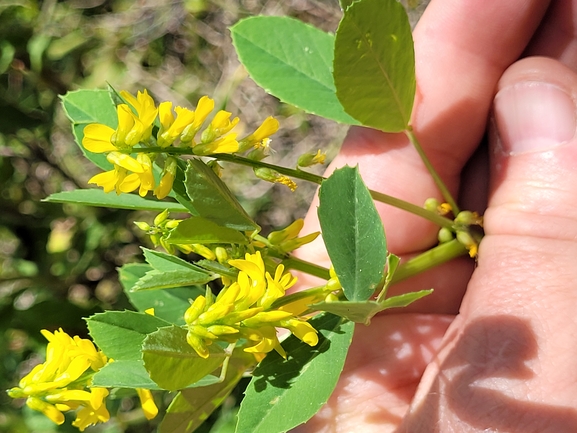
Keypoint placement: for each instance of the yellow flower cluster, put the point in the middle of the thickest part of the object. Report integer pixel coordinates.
(243, 310)
(175, 127)
(62, 382)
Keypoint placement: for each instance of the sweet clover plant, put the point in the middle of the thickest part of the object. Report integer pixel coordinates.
(202, 324)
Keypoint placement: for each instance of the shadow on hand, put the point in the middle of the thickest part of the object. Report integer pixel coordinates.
(489, 359)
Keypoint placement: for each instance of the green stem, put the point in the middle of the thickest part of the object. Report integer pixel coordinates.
(438, 181)
(293, 297)
(429, 259)
(310, 177)
(307, 267)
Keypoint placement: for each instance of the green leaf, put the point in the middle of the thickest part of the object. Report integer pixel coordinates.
(295, 69)
(353, 233)
(90, 106)
(156, 280)
(167, 262)
(97, 197)
(191, 407)
(124, 374)
(286, 393)
(119, 334)
(132, 374)
(179, 187)
(169, 272)
(172, 363)
(198, 230)
(374, 64)
(363, 312)
(168, 304)
(213, 200)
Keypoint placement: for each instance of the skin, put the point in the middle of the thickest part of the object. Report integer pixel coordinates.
(493, 349)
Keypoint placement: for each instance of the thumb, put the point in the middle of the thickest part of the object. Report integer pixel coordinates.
(509, 360)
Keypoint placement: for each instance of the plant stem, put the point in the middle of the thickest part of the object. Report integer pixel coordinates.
(307, 267)
(438, 181)
(429, 259)
(310, 177)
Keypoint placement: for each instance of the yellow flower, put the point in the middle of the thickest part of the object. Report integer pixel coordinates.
(62, 382)
(131, 128)
(118, 179)
(203, 109)
(98, 138)
(226, 144)
(260, 137)
(242, 310)
(167, 178)
(171, 127)
(302, 330)
(220, 125)
(308, 159)
(144, 106)
(147, 403)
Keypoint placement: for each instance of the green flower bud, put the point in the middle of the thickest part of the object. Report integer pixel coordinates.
(445, 235)
(145, 227)
(431, 204)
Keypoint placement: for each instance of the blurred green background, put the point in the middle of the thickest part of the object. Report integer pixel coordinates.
(58, 262)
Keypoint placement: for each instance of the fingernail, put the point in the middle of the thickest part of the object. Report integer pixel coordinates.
(534, 116)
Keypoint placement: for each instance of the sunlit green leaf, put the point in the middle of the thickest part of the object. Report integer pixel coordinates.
(132, 374)
(156, 280)
(168, 304)
(97, 197)
(124, 374)
(191, 407)
(213, 200)
(353, 233)
(165, 262)
(169, 272)
(374, 64)
(198, 230)
(286, 393)
(172, 363)
(119, 334)
(292, 61)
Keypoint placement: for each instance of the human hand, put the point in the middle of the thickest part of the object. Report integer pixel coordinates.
(507, 361)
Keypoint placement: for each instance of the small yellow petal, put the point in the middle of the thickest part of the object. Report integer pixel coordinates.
(97, 138)
(49, 410)
(125, 161)
(147, 402)
(106, 180)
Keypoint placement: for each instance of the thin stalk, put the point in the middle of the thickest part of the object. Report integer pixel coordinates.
(306, 267)
(296, 296)
(310, 177)
(438, 181)
(429, 259)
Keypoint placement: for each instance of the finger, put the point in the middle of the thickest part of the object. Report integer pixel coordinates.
(556, 37)
(461, 50)
(376, 386)
(510, 361)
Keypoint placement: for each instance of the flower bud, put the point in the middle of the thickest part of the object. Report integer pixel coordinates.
(309, 159)
(145, 227)
(445, 235)
(274, 176)
(431, 204)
